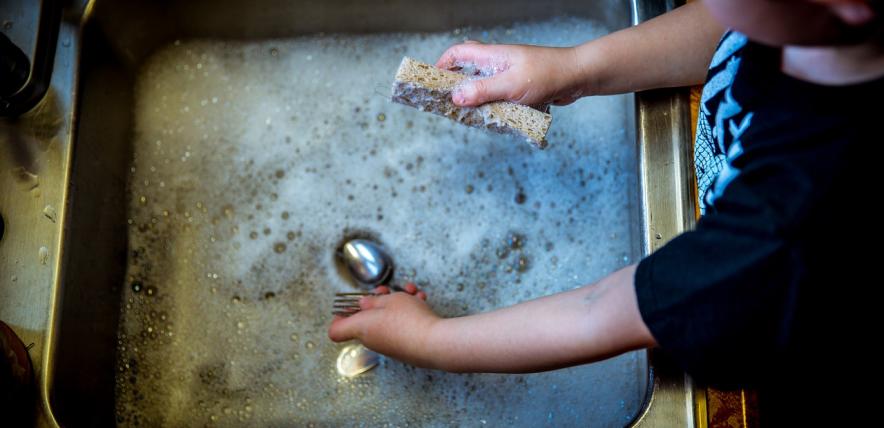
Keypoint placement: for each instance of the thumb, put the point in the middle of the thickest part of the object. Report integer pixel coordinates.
(344, 328)
(347, 328)
(472, 93)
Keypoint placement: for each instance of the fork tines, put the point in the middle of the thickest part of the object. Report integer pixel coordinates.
(347, 303)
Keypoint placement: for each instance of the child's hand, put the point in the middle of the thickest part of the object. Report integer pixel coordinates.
(530, 75)
(394, 324)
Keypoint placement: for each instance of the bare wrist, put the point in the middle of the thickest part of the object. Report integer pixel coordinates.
(436, 346)
(588, 63)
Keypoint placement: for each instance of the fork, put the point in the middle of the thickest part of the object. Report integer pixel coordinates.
(347, 303)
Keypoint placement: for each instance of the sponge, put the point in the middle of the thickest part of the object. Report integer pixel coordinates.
(428, 88)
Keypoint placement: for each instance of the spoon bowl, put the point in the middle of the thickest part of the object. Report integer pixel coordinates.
(367, 261)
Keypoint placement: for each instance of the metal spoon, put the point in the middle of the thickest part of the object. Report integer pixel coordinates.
(370, 265)
(367, 261)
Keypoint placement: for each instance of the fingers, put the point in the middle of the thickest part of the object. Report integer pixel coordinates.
(408, 288)
(344, 328)
(490, 57)
(470, 51)
(564, 101)
(476, 92)
(378, 302)
(412, 289)
(371, 302)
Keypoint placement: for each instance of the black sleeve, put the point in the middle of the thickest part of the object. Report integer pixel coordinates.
(721, 299)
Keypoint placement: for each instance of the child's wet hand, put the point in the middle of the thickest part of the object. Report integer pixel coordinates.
(394, 324)
(529, 75)
(409, 288)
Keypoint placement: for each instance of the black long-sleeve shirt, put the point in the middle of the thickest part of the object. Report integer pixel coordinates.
(774, 288)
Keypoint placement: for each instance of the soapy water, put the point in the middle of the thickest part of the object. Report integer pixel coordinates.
(254, 160)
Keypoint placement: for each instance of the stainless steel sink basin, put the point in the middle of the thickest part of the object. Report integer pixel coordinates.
(171, 223)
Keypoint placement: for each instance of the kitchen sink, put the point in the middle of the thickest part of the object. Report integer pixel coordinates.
(173, 206)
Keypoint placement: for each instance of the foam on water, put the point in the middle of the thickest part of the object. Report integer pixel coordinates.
(253, 160)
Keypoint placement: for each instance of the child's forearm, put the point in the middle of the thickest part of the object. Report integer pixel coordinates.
(668, 51)
(574, 327)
